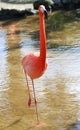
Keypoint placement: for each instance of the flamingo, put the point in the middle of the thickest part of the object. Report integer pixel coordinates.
(34, 64)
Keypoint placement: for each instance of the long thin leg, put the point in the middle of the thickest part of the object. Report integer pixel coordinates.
(35, 101)
(29, 100)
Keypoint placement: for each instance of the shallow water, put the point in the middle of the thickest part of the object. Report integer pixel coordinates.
(58, 90)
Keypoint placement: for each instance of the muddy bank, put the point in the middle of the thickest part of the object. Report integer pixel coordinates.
(11, 11)
(6, 14)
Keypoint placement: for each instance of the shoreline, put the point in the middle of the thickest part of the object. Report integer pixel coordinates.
(16, 6)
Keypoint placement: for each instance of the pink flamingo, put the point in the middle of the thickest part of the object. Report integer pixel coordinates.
(33, 64)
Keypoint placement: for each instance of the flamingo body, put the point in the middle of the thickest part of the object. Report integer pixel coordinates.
(35, 64)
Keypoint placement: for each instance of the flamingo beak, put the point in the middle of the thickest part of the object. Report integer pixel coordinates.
(46, 14)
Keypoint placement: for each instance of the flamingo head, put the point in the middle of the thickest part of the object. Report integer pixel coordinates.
(42, 11)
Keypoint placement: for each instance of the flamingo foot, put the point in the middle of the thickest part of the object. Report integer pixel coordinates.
(29, 102)
(41, 124)
(35, 101)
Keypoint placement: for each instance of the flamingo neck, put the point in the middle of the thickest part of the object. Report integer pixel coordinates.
(42, 39)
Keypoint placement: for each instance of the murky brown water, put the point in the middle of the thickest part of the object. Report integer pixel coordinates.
(58, 90)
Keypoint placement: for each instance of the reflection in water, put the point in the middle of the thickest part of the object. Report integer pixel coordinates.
(61, 108)
(59, 101)
(58, 90)
(3, 63)
(13, 37)
(4, 80)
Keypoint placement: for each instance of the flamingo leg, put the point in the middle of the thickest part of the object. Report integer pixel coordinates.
(29, 100)
(35, 101)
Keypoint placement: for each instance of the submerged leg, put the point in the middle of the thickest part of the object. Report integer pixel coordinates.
(29, 100)
(35, 101)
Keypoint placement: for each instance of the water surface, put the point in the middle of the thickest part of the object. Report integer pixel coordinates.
(58, 90)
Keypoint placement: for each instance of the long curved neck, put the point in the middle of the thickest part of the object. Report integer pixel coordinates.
(42, 39)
